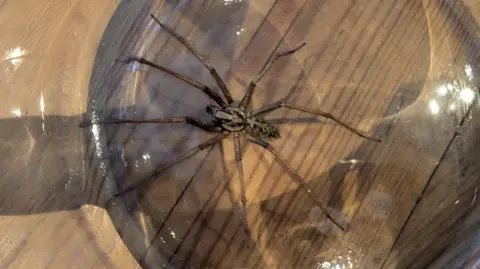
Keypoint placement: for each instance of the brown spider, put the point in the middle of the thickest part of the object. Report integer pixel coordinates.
(229, 118)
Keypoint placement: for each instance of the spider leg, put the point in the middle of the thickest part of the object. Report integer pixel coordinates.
(238, 159)
(277, 105)
(248, 95)
(213, 95)
(211, 128)
(271, 61)
(295, 176)
(181, 158)
(212, 70)
(280, 121)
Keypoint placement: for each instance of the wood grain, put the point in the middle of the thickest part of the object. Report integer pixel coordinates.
(398, 70)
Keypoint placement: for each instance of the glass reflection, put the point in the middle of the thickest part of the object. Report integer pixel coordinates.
(42, 110)
(467, 95)
(434, 108)
(457, 92)
(14, 56)
(16, 112)
(146, 158)
(468, 71)
(474, 196)
(173, 234)
(133, 66)
(452, 107)
(345, 261)
(228, 2)
(442, 90)
(334, 264)
(42, 105)
(98, 144)
(163, 240)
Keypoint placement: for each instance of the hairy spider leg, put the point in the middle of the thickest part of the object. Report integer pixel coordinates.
(184, 156)
(212, 70)
(208, 127)
(205, 89)
(278, 105)
(243, 198)
(251, 88)
(295, 176)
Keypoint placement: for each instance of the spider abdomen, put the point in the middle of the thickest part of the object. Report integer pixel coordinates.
(262, 129)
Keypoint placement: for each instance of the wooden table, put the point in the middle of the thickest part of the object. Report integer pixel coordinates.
(404, 71)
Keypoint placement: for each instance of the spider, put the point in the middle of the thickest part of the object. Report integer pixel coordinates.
(230, 118)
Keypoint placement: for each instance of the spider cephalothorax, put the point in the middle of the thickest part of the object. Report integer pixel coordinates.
(234, 120)
(230, 118)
